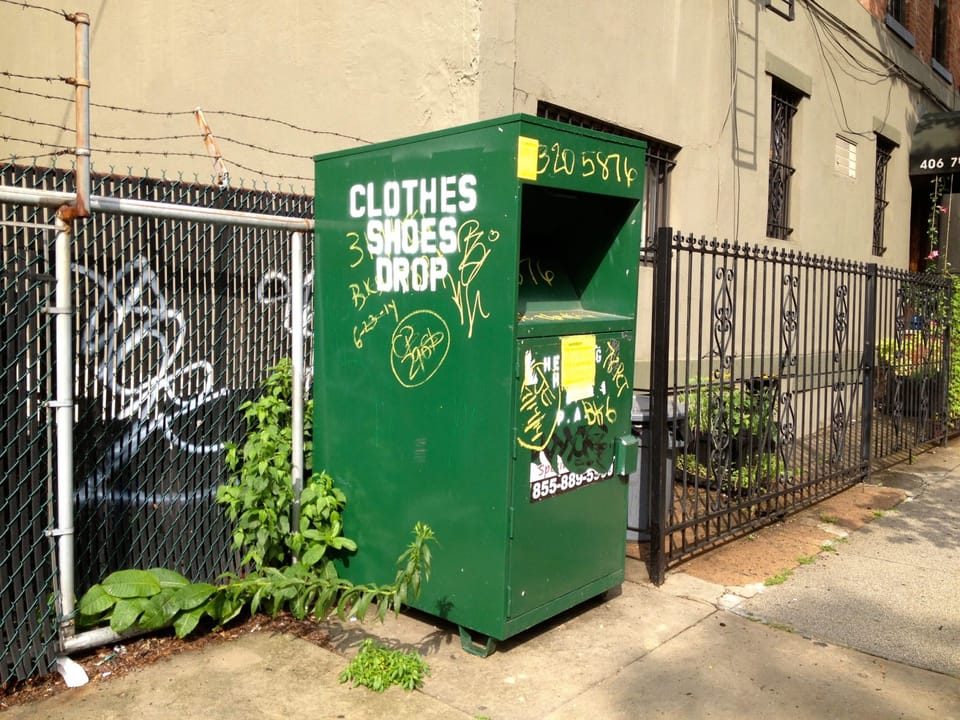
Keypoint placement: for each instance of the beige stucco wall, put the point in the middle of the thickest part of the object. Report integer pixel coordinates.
(372, 70)
(690, 72)
(698, 75)
(693, 73)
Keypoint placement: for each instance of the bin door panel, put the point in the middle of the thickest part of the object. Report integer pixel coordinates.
(569, 508)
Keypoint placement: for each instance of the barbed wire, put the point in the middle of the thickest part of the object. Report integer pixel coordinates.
(298, 156)
(64, 149)
(266, 174)
(21, 91)
(30, 121)
(175, 113)
(150, 153)
(287, 124)
(47, 78)
(41, 143)
(154, 138)
(30, 6)
(33, 156)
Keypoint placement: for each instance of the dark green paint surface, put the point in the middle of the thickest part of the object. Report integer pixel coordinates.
(437, 268)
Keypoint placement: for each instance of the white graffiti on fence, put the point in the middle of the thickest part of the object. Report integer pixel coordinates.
(135, 340)
(274, 287)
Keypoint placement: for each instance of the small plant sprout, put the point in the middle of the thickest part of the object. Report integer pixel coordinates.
(828, 518)
(779, 579)
(879, 513)
(377, 668)
(807, 559)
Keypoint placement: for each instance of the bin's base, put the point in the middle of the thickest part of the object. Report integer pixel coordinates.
(468, 644)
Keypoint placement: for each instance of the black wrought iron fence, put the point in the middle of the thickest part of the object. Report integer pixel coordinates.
(790, 374)
(176, 323)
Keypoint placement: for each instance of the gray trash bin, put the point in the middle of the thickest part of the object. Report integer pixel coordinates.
(639, 497)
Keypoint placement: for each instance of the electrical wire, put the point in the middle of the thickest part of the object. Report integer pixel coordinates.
(868, 48)
(840, 116)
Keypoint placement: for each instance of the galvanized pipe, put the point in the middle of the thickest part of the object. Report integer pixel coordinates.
(145, 208)
(296, 328)
(63, 311)
(82, 82)
(96, 638)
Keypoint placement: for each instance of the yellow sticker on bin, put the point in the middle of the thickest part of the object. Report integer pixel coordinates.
(527, 151)
(578, 366)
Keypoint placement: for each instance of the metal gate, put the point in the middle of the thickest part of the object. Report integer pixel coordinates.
(792, 374)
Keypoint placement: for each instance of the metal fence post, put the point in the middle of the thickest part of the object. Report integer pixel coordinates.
(63, 404)
(296, 328)
(945, 365)
(867, 364)
(82, 83)
(659, 377)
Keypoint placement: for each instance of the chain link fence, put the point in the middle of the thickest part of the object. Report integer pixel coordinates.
(27, 620)
(176, 323)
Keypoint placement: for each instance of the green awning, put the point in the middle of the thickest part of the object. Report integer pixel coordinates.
(936, 145)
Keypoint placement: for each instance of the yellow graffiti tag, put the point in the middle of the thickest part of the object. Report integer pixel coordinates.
(474, 243)
(599, 413)
(361, 293)
(539, 405)
(608, 167)
(418, 347)
(614, 366)
(371, 321)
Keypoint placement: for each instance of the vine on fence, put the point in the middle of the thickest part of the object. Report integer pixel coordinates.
(292, 568)
(947, 303)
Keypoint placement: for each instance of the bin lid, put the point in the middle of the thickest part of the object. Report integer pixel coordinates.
(640, 410)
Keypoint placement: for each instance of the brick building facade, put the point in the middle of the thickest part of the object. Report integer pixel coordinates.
(931, 28)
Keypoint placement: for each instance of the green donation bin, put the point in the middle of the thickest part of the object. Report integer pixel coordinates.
(475, 306)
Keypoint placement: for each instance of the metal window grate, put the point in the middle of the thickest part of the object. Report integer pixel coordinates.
(661, 159)
(880, 202)
(784, 104)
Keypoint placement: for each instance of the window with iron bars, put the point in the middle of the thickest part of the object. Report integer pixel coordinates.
(884, 151)
(939, 49)
(783, 8)
(661, 159)
(784, 104)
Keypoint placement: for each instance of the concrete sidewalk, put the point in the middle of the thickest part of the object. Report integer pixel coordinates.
(870, 631)
(893, 589)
